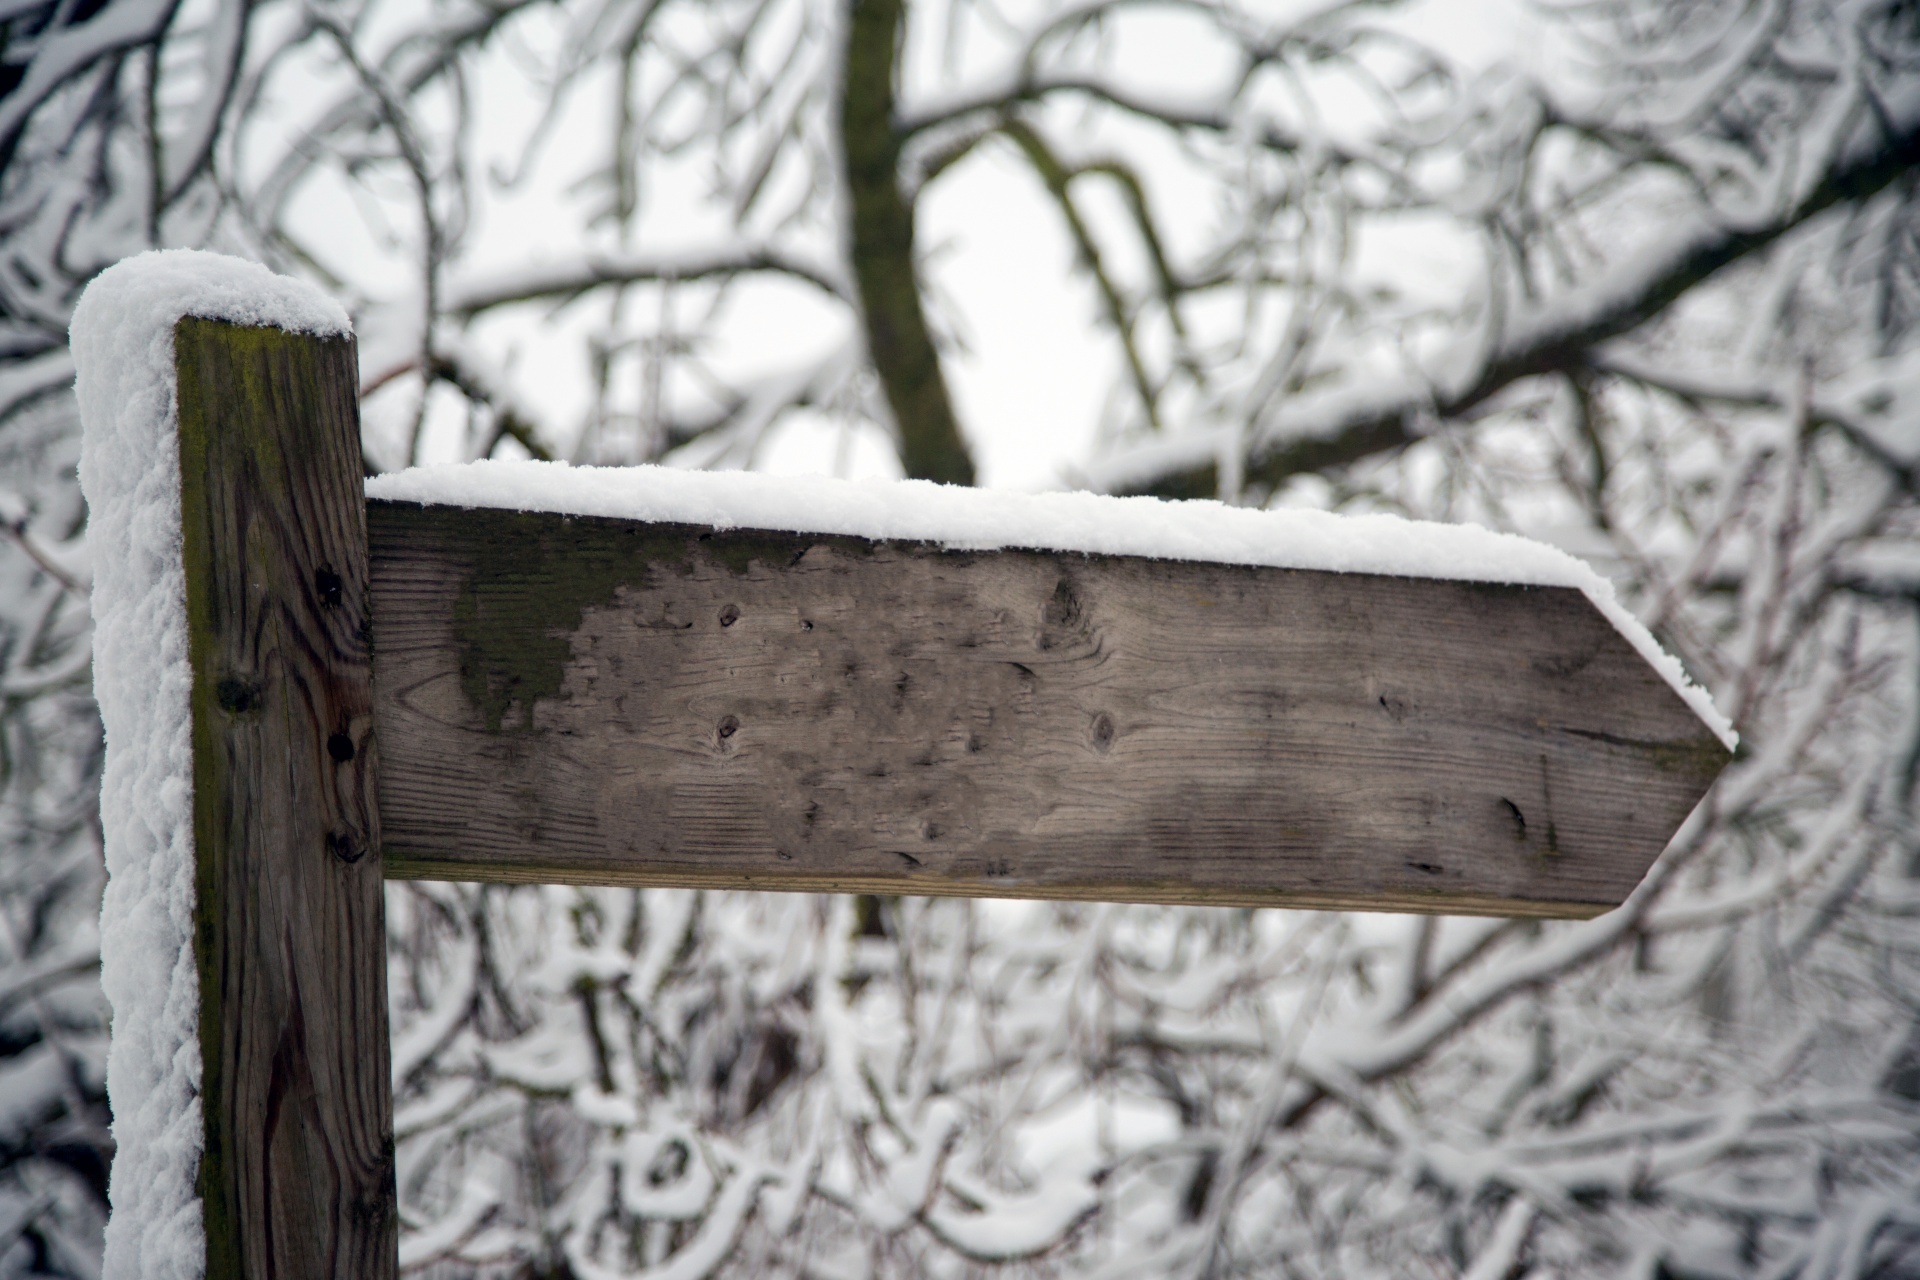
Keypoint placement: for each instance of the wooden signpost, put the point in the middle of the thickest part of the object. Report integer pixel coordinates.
(534, 697)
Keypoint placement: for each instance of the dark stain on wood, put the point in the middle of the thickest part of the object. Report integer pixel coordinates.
(606, 701)
(297, 1177)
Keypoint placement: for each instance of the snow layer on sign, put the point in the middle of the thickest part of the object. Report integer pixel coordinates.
(122, 342)
(985, 519)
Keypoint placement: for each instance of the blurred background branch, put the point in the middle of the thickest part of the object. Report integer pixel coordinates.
(1639, 279)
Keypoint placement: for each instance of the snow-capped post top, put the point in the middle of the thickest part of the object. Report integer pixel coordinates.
(198, 439)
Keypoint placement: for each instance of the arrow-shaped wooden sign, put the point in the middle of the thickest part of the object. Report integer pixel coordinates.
(568, 698)
(431, 684)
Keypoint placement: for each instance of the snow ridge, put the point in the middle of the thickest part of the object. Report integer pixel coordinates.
(122, 342)
(984, 519)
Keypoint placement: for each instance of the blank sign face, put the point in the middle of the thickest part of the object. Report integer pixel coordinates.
(606, 701)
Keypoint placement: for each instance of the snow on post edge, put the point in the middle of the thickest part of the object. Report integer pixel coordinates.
(122, 340)
(984, 519)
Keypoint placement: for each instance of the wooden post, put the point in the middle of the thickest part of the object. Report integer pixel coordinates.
(297, 1178)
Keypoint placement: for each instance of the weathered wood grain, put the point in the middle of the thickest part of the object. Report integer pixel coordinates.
(604, 701)
(297, 1178)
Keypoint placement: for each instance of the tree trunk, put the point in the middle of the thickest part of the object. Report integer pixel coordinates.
(897, 339)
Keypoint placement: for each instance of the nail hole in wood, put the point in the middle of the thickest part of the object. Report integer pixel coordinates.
(327, 583)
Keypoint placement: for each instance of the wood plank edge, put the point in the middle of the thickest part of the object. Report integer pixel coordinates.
(1435, 903)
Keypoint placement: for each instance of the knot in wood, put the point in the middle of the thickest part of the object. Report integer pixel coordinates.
(344, 846)
(237, 696)
(1102, 732)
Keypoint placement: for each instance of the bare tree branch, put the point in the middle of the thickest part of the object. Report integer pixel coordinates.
(1318, 433)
